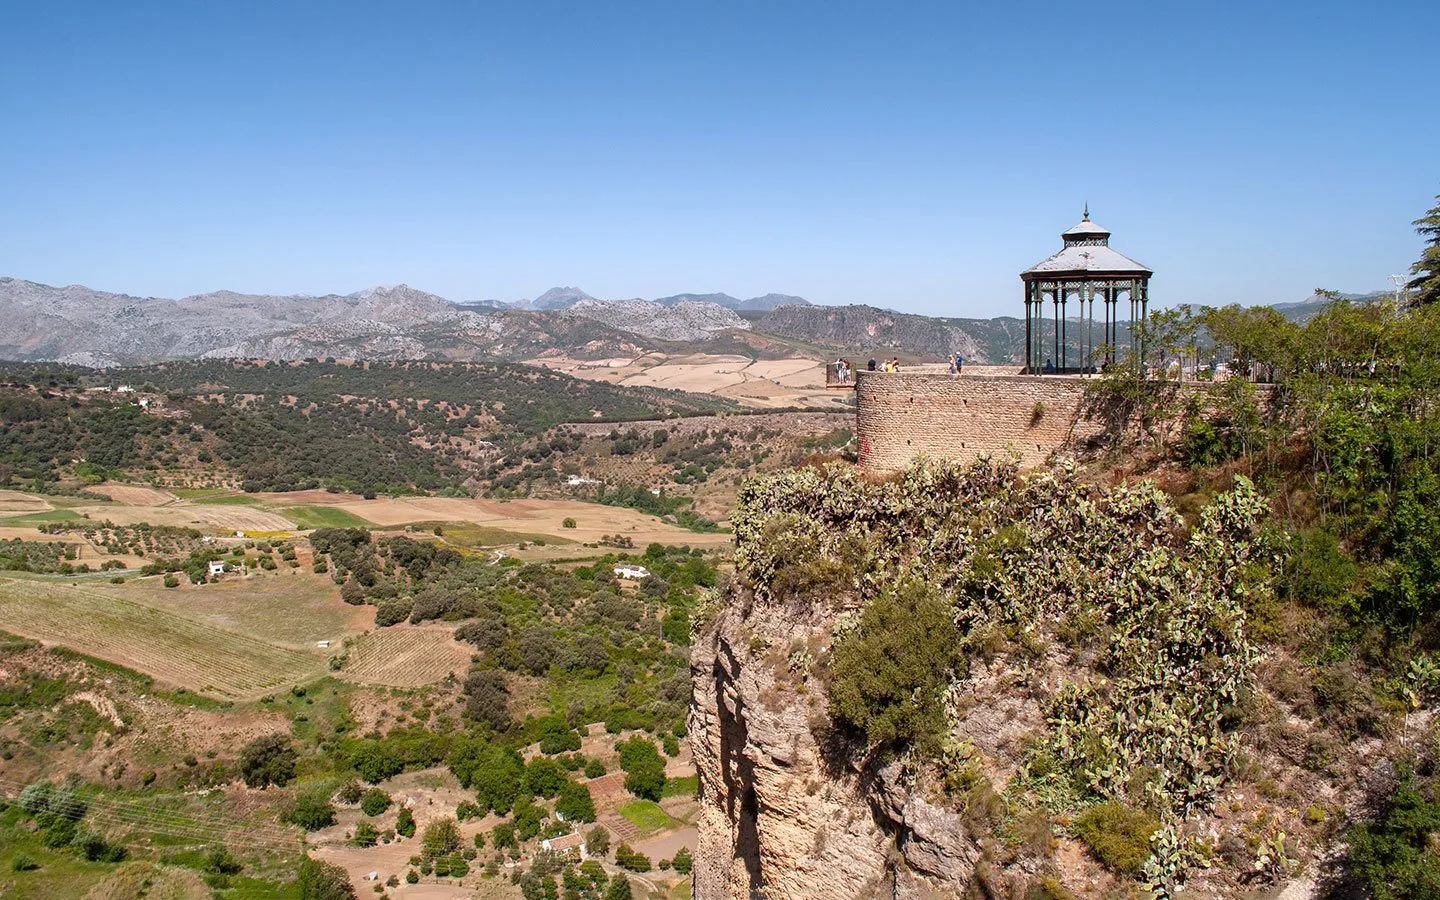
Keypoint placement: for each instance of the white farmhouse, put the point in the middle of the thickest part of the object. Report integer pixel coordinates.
(217, 568)
(632, 572)
(569, 844)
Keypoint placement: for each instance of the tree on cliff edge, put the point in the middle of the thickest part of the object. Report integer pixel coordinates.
(1426, 283)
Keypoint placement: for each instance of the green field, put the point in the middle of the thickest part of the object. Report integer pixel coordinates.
(171, 648)
(646, 815)
(228, 500)
(466, 534)
(686, 786)
(308, 517)
(48, 517)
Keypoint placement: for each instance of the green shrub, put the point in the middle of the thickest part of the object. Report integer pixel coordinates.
(441, 838)
(619, 889)
(218, 860)
(1395, 854)
(644, 767)
(366, 834)
(311, 811)
(393, 612)
(1117, 834)
(628, 858)
(23, 863)
(568, 523)
(95, 848)
(597, 841)
(1318, 571)
(544, 776)
(405, 822)
(374, 802)
(323, 881)
(466, 810)
(683, 861)
(888, 675)
(350, 792)
(594, 768)
(575, 803)
(268, 760)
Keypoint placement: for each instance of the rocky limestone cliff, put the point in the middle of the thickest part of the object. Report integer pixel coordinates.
(686, 320)
(871, 330)
(976, 682)
(784, 815)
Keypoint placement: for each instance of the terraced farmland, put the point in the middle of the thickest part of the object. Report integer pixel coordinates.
(405, 657)
(166, 646)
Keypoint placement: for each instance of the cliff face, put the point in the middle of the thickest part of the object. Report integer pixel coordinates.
(974, 682)
(785, 812)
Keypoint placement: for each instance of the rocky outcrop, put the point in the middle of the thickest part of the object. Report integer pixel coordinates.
(787, 809)
(866, 329)
(686, 320)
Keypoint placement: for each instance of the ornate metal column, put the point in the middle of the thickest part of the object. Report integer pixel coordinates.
(1029, 340)
(1088, 304)
(1059, 292)
(1144, 316)
(1109, 321)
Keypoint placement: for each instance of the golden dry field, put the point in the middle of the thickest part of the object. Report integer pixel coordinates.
(172, 648)
(403, 656)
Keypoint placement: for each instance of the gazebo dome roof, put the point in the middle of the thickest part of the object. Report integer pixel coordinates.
(1087, 252)
(1086, 229)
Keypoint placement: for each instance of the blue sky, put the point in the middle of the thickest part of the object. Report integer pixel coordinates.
(910, 155)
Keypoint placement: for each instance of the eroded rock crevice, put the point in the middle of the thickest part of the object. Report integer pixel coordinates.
(785, 814)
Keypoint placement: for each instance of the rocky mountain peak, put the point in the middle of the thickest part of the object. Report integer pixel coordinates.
(559, 298)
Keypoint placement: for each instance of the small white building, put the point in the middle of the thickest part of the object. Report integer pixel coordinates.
(569, 844)
(578, 480)
(217, 568)
(632, 572)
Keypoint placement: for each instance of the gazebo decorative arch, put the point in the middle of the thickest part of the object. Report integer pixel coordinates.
(1084, 268)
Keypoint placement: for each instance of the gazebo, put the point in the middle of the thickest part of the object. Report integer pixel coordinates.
(1086, 267)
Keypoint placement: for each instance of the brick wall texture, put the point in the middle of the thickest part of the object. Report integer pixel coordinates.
(902, 415)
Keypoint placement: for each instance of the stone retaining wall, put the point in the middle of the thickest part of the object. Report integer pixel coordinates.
(903, 415)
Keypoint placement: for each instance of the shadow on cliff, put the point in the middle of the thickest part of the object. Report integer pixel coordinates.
(737, 770)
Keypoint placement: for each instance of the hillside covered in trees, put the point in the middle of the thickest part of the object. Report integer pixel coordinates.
(287, 426)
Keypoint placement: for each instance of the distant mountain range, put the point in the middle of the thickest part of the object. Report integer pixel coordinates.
(565, 297)
(79, 325)
(1303, 310)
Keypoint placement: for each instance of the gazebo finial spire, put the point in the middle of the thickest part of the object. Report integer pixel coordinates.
(1086, 217)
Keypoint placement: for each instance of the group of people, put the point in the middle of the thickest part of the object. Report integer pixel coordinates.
(845, 372)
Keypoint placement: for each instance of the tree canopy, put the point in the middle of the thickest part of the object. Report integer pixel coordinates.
(1426, 283)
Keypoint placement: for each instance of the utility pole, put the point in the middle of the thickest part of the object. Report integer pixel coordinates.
(1399, 282)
